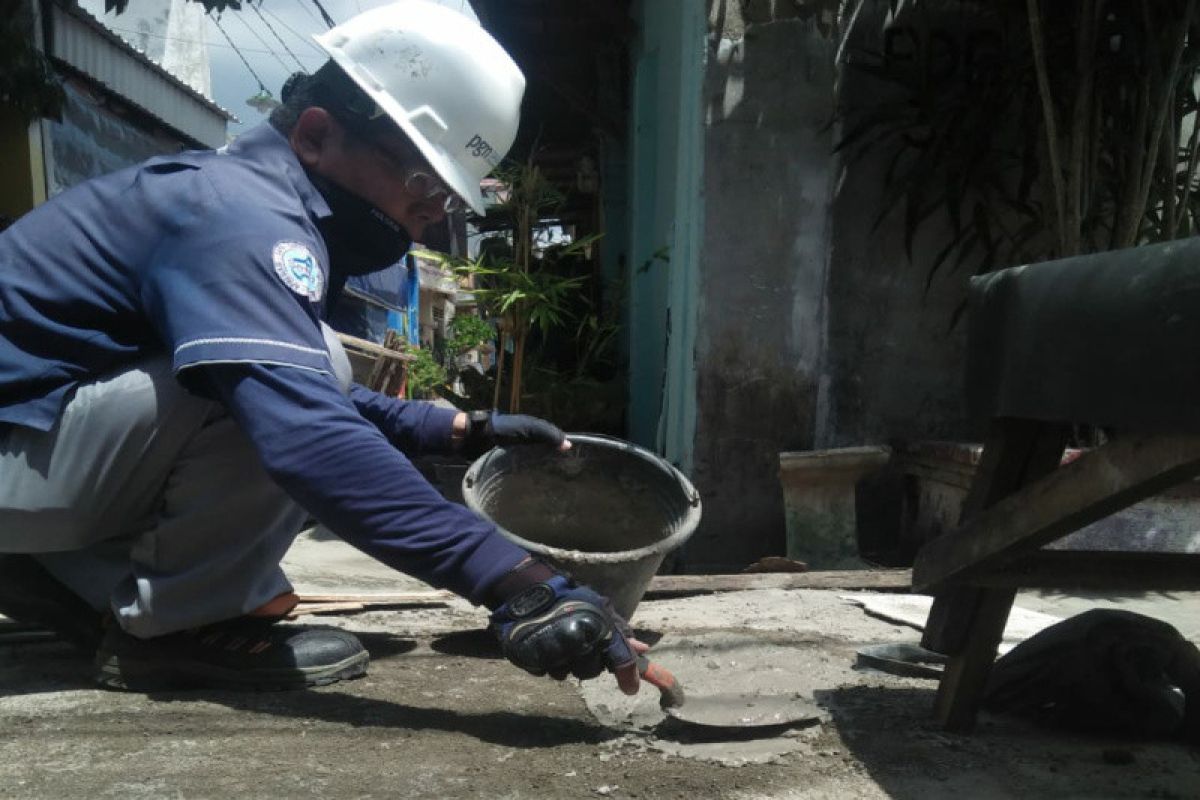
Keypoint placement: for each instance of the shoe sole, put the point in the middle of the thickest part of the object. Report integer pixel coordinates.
(125, 674)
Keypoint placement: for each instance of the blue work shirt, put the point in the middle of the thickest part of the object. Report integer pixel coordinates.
(210, 256)
(215, 258)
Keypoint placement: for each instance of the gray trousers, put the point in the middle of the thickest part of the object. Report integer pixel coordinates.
(148, 501)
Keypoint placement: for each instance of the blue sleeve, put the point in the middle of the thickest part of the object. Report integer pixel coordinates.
(348, 476)
(413, 426)
(238, 283)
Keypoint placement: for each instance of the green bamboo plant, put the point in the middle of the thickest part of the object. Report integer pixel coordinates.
(516, 289)
(1042, 130)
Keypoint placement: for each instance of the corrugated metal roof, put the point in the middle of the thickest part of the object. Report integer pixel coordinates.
(82, 42)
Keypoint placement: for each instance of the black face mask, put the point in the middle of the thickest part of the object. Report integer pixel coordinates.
(360, 237)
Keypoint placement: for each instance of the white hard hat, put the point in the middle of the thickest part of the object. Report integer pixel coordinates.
(440, 77)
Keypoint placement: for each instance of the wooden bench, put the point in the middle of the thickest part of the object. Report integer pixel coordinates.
(1110, 340)
(383, 368)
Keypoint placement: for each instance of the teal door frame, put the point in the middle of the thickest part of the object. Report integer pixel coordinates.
(666, 210)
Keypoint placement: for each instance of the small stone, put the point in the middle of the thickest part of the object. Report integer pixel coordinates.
(605, 790)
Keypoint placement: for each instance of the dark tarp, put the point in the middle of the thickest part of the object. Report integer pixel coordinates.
(1109, 339)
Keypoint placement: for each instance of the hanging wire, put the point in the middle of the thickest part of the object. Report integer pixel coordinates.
(190, 41)
(308, 11)
(257, 35)
(279, 21)
(217, 21)
(282, 43)
(324, 14)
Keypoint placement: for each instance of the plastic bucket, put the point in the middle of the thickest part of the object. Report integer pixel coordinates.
(606, 510)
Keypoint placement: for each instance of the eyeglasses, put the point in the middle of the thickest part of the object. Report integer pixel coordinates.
(418, 182)
(429, 187)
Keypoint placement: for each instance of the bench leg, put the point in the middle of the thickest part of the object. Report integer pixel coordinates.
(960, 692)
(966, 623)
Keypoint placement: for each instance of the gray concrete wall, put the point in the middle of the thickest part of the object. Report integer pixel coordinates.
(768, 97)
(894, 351)
(815, 331)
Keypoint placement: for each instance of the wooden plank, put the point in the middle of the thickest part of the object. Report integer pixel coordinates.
(391, 599)
(372, 349)
(960, 691)
(1114, 571)
(331, 608)
(881, 579)
(1097, 484)
(1015, 452)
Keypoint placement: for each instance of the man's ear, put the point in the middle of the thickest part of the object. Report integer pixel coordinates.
(312, 135)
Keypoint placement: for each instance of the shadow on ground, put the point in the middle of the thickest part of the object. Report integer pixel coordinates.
(481, 643)
(48, 667)
(342, 707)
(383, 646)
(892, 734)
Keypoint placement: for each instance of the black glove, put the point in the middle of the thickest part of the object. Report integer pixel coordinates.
(557, 627)
(488, 429)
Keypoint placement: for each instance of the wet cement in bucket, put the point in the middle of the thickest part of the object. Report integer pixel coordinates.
(564, 504)
(605, 511)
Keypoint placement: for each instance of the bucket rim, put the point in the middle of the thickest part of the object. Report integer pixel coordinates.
(686, 525)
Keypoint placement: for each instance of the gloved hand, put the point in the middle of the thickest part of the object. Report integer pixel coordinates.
(488, 429)
(561, 628)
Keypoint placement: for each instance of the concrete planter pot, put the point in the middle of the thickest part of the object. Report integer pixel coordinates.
(938, 475)
(819, 503)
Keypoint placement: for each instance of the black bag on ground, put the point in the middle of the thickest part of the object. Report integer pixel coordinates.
(1104, 670)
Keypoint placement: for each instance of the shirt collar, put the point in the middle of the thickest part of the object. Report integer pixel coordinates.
(271, 149)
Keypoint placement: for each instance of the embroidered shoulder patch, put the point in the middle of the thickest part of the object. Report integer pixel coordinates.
(297, 267)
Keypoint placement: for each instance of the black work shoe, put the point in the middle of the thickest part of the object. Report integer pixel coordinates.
(246, 653)
(30, 594)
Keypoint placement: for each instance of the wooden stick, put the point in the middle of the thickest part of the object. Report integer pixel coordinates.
(392, 599)
(326, 608)
(882, 580)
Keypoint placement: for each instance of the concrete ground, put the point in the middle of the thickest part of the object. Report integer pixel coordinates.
(441, 715)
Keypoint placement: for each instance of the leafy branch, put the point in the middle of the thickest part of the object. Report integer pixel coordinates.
(1037, 130)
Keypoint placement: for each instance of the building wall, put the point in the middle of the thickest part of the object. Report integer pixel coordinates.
(895, 352)
(814, 330)
(768, 172)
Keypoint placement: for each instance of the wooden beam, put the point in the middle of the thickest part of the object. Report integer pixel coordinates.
(897, 580)
(967, 622)
(392, 599)
(1016, 452)
(964, 678)
(372, 349)
(1097, 484)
